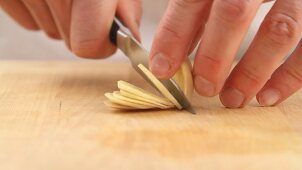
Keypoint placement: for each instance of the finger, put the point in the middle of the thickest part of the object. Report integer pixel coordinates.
(181, 23)
(61, 12)
(286, 80)
(279, 32)
(90, 26)
(43, 17)
(227, 26)
(130, 12)
(196, 40)
(17, 10)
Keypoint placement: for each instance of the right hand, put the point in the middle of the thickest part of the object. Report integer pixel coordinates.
(84, 25)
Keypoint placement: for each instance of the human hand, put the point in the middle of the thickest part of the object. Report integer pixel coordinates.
(83, 24)
(222, 25)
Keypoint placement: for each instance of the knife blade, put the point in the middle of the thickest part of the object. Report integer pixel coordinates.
(138, 55)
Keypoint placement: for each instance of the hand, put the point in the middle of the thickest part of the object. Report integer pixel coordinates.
(83, 24)
(222, 25)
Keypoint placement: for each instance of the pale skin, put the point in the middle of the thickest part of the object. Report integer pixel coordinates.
(220, 25)
(82, 24)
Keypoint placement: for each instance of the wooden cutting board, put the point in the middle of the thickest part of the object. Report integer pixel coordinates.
(52, 116)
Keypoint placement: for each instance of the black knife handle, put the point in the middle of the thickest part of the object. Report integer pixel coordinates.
(113, 32)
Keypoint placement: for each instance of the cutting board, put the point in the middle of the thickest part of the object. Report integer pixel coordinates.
(52, 116)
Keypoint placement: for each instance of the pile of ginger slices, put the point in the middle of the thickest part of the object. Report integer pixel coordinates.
(131, 97)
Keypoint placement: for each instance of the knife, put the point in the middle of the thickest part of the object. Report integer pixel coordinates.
(124, 41)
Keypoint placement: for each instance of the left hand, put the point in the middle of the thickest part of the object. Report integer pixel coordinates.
(223, 24)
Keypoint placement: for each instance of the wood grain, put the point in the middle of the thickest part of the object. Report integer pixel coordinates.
(52, 116)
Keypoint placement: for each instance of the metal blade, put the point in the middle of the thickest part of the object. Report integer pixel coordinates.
(138, 55)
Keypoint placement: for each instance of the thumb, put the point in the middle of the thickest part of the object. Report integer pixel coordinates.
(130, 12)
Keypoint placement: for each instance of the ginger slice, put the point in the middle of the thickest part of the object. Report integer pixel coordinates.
(122, 85)
(131, 97)
(127, 100)
(118, 95)
(118, 106)
(160, 86)
(140, 98)
(115, 100)
(184, 79)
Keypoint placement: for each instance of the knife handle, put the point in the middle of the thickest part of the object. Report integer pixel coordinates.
(113, 32)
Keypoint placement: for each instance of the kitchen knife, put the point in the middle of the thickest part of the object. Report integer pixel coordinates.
(123, 40)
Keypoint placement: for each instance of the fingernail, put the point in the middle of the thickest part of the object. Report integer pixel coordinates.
(204, 87)
(269, 97)
(232, 98)
(160, 65)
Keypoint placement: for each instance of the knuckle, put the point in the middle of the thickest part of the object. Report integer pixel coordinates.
(293, 72)
(212, 62)
(176, 16)
(233, 10)
(283, 29)
(167, 30)
(250, 76)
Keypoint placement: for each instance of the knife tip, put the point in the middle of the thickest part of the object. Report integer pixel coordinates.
(191, 110)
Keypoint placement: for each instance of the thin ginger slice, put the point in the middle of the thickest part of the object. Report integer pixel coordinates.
(184, 79)
(131, 97)
(122, 85)
(126, 103)
(118, 95)
(140, 98)
(118, 106)
(160, 86)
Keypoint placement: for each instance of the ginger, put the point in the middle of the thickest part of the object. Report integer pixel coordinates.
(131, 97)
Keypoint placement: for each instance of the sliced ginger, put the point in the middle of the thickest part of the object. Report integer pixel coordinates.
(142, 94)
(140, 98)
(123, 102)
(160, 86)
(131, 97)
